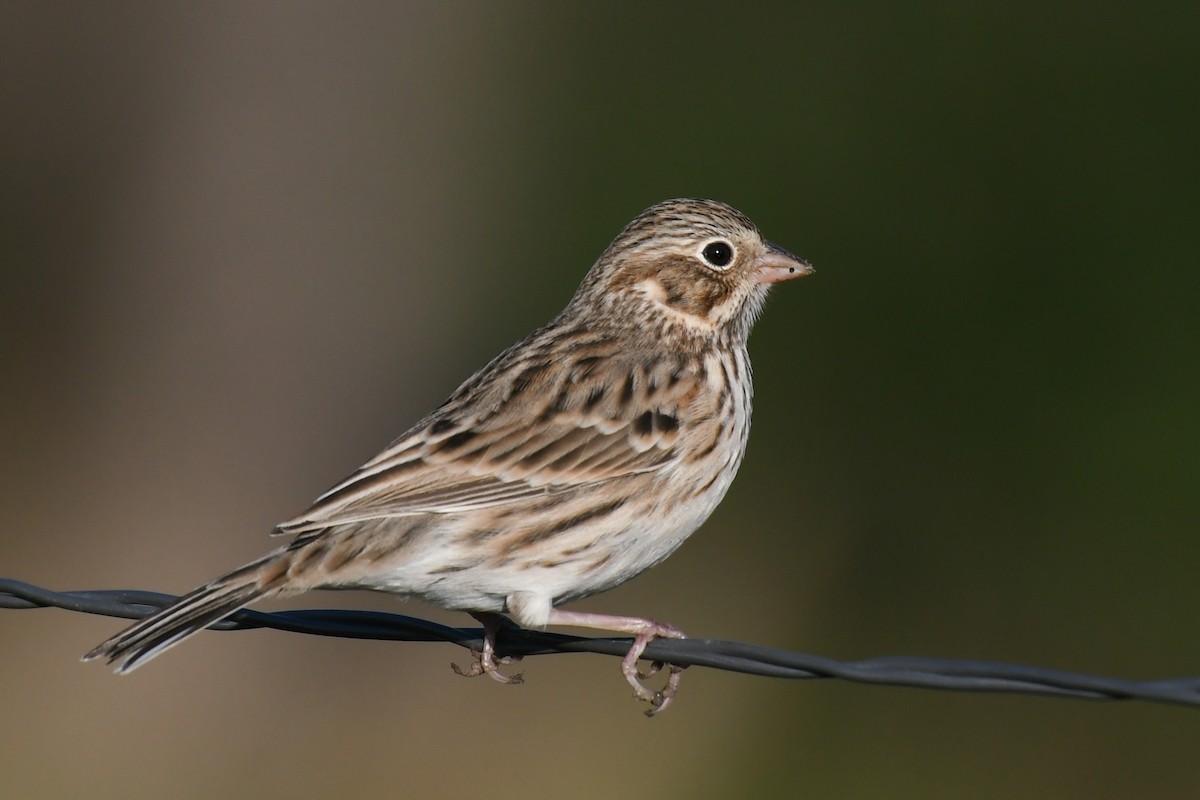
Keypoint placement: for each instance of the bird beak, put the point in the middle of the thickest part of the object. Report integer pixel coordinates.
(778, 265)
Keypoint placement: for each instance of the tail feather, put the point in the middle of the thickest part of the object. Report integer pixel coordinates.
(190, 614)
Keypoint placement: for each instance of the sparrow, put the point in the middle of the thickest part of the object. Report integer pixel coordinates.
(576, 459)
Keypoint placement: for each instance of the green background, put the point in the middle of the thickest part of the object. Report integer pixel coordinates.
(244, 245)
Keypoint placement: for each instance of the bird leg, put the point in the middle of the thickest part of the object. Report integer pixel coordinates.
(485, 660)
(644, 631)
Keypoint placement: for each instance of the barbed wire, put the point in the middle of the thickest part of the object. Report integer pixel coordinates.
(750, 659)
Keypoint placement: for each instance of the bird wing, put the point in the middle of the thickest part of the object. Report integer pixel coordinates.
(524, 428)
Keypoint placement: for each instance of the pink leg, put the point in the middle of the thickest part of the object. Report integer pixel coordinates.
(644, 631)
(486, 662)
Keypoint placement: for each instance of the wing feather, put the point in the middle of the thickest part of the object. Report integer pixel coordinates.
(530, 429)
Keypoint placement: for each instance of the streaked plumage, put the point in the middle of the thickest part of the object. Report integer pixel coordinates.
(573, 461)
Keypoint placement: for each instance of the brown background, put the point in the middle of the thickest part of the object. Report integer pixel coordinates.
(244, 245)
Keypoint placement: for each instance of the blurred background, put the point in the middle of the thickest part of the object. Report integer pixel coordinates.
(245, 245)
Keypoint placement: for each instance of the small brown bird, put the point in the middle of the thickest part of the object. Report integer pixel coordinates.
(576, 459)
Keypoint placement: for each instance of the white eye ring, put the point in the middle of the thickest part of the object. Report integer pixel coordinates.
(718, 253)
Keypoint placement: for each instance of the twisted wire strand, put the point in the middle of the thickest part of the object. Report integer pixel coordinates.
(750, 659)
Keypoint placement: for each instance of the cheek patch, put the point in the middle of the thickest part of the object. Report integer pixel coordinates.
(696, 293)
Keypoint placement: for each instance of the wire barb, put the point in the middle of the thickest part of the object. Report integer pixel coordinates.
(750, 659)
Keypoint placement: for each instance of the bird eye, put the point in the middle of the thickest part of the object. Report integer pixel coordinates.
(718, 253)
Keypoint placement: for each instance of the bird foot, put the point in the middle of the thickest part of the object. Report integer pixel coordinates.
(644, 631)
(486, 661)
(661, 698)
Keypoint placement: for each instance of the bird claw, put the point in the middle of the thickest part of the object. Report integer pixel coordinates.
(486, 660)
(658, 699)
(486, 664)
(654, 668)
(473, 671)
(661, 698)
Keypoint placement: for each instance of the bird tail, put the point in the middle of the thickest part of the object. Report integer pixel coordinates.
(193, 612)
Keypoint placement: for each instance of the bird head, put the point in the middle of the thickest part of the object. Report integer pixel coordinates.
(690, 268)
